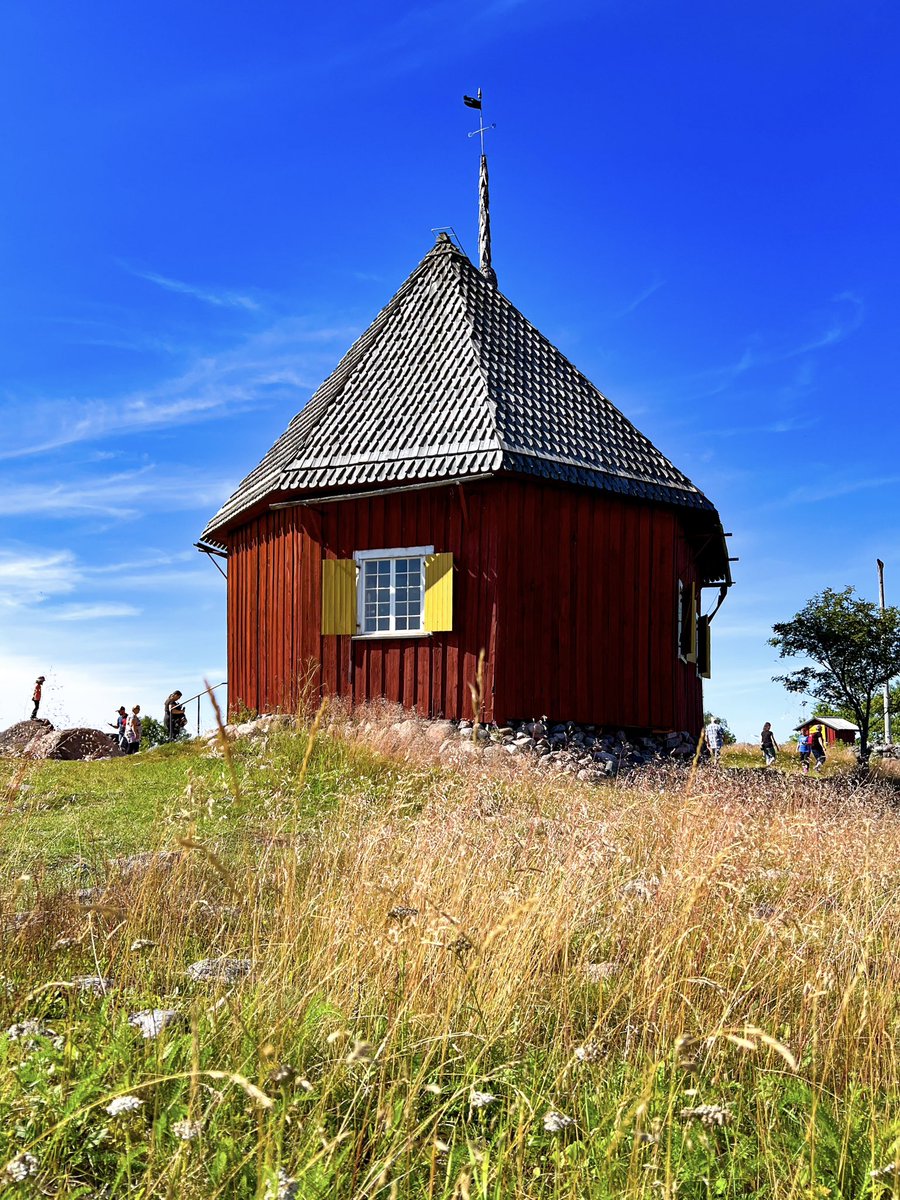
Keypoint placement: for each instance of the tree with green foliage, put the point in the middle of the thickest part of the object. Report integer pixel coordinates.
(854, 647)
(153, 732)
(876, 726)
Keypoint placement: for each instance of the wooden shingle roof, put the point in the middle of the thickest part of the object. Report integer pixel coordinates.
(450, 380)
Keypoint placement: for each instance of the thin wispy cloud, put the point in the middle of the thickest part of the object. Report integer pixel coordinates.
(218, 297)
(93, 612)
(115, 497)
(640, 298)
(758, 356)
(834, 489)
(281, 364)
(31, 576)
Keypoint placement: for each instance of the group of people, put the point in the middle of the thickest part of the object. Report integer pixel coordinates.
(128, 725)
(810, 744)
(128, 729)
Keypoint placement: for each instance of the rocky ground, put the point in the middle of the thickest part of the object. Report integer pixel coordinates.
(586, 751)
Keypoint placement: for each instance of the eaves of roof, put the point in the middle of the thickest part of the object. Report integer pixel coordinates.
(451, 380)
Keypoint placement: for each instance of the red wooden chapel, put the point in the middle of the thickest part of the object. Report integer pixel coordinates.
(457, 485)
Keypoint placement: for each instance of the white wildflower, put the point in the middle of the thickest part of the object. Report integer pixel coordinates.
(186, 1130)
(124, 1104)
(482, 1099)
(19, 1168)
(707, 1114)
(152, 1021)
(28, 1031)
(556, 1122)
(98, 984)
(596, 972)
(588, 1053)
(282, 1188)
(219, 970)
(361, 1052)
(887, 1172)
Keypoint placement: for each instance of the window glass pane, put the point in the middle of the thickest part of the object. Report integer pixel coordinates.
(392, 594)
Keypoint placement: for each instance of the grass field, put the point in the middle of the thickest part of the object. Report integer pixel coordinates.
(472, 983)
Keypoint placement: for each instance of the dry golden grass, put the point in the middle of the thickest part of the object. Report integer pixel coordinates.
(617, 955)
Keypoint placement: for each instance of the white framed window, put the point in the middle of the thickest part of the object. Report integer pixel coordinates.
(390, 591)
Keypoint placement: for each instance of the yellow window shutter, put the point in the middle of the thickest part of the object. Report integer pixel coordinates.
(691, 655)
(338, 595)
(438, 592)
(704, 649)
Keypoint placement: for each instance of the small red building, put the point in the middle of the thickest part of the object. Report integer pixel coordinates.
(834, 729)
(456, 485)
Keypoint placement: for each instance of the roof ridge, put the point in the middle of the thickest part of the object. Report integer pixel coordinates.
(450, 379)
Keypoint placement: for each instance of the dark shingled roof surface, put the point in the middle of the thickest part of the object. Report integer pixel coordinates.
(451, 380)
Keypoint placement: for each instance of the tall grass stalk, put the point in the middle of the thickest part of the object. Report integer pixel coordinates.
(481, 981)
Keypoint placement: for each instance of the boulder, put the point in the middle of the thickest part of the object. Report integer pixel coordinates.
(80, 743)
(15, 740)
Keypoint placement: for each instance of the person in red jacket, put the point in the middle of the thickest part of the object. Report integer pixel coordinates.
(36, 697)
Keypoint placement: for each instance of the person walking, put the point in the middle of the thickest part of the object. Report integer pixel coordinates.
(803, 749)
(36, 696)
(768, 744)
(133, 731)
(715, 739)
(816, 746)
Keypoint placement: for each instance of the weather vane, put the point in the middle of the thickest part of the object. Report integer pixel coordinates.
(475, 102)
(484, 204)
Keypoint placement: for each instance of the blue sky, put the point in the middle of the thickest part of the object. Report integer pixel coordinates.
(204, 204)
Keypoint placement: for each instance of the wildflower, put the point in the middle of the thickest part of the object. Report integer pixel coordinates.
(19, 1168)
(283, 1076)
(283, 1187)
(123, 1104)
(219, 970)
(152, 1021)
(556, 1122)
(642, 889)
(361, 1052)
(186, 1130)
(28, 1030)
(98, 984)
(597, 972)
(141, 944)
(707, 1114)
(588, 1053)
(482, 1099)
(402, 913)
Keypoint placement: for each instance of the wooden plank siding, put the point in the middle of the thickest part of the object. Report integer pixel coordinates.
(571, 593)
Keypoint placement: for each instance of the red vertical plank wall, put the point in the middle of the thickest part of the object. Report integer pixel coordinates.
(571, 593)
(587, 605)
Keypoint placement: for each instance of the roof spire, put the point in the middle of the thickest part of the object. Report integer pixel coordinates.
(484, 201)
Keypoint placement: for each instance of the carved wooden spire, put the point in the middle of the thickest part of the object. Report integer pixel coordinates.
(484, 199)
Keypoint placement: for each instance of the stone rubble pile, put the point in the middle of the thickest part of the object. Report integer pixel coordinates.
(883, 750)
(38, 739)
(249, 729)
(588, 752)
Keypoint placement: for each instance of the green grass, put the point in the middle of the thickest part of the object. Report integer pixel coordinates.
(419, 936)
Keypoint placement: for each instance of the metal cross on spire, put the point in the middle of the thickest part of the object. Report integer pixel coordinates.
(484, 209)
